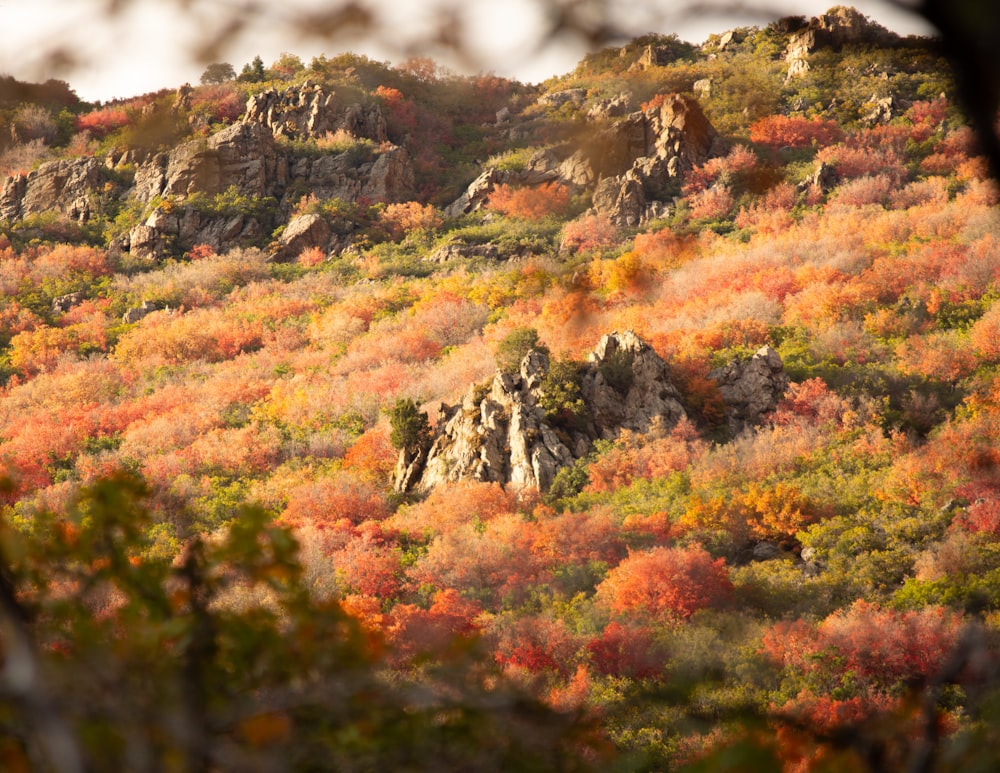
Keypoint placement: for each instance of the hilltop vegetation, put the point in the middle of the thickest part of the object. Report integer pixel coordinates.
(244, 322)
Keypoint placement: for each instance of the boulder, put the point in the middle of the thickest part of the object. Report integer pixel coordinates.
(825, 177)
(477, 194)
(301, 233)
(882, 110)
(137, 313)
(64, 303)
(463, 251)
(751, 388)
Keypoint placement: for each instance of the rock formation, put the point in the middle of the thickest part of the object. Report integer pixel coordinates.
(477, 194)
(751, 388)
(311, 112)
(628, 164)
(834, 29)
(501, 431)
(69, 186)
(241, 156)
(246, 159)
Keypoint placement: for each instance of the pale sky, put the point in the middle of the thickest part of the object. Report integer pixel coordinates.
(147, 45)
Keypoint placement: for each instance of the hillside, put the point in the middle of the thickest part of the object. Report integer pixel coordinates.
(361, 417)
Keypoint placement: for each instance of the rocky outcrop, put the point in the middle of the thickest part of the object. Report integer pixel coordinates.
(824, 177)
(501, 432)
(557, 99)
(461, 251)
(675, 137)
(477, 194)
(882, 110)
(69, 186)
(385, 176)
(311, 112)
(184, 227)
(245, 159)
(505, 430)
(751, 388)
(139, 312)
(615, 107)
(630, 164)
(64, 303)
(627, 385)
(834, 29)
(242, 156)
(652, 56)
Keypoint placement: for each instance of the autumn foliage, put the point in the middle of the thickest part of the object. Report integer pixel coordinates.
(802, 570)
(530, 203)
(666, 582)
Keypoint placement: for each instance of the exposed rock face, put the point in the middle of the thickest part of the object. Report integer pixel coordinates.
(311, 112)
(68, 186)
(502, 433)
(825, 177)
(652, 56)
(477, 194)
(882, 110)
(386, 177)
(242, 156)
(616, 107)
(575, 97)
(751, 388)
(630, 163)
(834, 29)
(643, 395)
(185, 227)
(137, 313)
(660, 145)
(301, 233)
(64, 303)
(463, 251)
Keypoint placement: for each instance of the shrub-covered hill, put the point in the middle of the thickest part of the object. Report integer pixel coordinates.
(252, 305)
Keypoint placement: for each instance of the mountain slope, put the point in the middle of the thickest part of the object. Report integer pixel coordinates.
(776, 510)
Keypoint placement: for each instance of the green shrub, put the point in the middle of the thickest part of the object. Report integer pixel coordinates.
(410, 426)
(561, 396)
(515, 345)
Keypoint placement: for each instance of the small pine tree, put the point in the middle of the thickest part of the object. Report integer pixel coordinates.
(562, 397)
(253, 72)
(410, 426)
